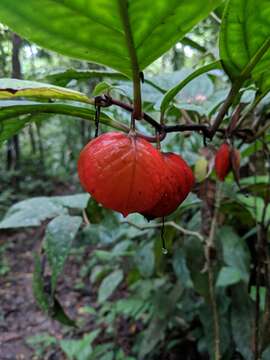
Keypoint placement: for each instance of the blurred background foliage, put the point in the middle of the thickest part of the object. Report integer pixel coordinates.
(138, 302)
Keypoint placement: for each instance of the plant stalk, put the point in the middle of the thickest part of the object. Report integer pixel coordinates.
(137, 100)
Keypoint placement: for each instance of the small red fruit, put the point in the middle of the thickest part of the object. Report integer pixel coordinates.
(227, 159)
(178, 183)
(222, 161)
(122, 172)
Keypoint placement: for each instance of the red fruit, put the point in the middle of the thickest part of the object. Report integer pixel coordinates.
(123, 172)
(223, 161)
(178, 183)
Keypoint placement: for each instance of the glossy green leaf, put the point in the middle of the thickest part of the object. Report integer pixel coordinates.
(99, 31)
(62, 78)
(76, 201)
(101, 88)
(109, 284)
(59, 235)
(13, 88)
(170, 94)
(32, 212)
(11, 123)
(245, 38)
(228, 276)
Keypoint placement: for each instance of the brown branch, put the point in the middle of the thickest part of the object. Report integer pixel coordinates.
(206, 130)
(166, 223)
(209, 247)
(224, 108)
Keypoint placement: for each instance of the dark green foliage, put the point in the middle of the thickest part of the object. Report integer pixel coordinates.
(163, 302)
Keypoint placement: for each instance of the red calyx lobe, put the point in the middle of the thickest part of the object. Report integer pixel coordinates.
(179, 181)
(223, 162)
(122, 172)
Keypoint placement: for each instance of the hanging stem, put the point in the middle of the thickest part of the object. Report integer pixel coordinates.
(137, 111)
(210, 245)
(224, 108)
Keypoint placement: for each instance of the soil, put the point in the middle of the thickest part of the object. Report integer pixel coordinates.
(20, 317)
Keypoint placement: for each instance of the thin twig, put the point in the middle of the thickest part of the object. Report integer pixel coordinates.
(85, 217)
(163, 130)
(167, 223)
(210, 245)
(123, 10)
(224, 108)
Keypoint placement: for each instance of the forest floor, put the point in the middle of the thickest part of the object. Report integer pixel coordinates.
(20, 317)
(21, 321)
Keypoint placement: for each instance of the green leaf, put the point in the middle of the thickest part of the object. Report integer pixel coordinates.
(235, 253)
(158, 325)
(76, 201)
(108, 356)
(11, 127)
(102, 88)
(79, 349)
(31, 213)
(13, 88)
(58, 313)
(43, 299)
(130, 307)
(180, 268)
(47, 303)
(145, 260)
(11, 122)
(245, 38)
(254, 180)
(255, 205)
(253, 294)
(228, 276)
(100, 31)
(170, 94)
(254, 147)
(109, 284)
(59, 235)
(205, 314)
(242, 312)
(62, 78)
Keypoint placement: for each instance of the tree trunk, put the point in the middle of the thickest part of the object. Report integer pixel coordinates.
(40, 146)
(32, 139)
(13, 146)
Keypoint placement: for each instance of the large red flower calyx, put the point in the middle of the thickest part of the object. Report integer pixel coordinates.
(127, 174)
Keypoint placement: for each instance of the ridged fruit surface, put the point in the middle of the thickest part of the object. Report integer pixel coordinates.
(223, 161)
(178, 183)
(122, 172)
